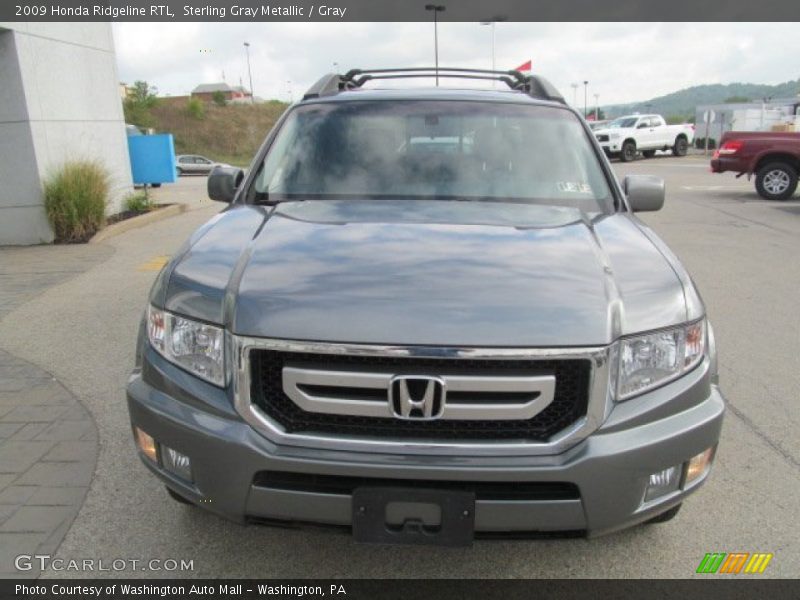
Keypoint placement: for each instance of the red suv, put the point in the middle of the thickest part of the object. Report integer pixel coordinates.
(774, 157)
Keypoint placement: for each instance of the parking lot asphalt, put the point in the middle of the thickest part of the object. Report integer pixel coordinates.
(742, 252)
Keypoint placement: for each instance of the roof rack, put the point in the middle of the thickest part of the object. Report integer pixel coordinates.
(533, 85)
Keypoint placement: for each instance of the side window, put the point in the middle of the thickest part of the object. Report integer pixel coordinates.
(185, 159)
(657, 122)
(202, 161)
(643, 123)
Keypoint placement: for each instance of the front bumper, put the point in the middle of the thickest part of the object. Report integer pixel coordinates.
(612, 147)
(610, 468)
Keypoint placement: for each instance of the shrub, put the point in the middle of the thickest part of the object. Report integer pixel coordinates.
(219, 98)
(75, 200)
(195, 108)
(138, 202)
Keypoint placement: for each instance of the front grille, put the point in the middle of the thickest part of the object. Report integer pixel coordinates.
(484, 490)
(602, 138)
(569, 403)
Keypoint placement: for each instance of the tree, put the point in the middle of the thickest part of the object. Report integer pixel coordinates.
(143, 93)
(136, 107)
(195, 108)
(737, 100)
(219, 98)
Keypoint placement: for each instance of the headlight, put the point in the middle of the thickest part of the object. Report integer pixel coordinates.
(647, 361)
(196, 347)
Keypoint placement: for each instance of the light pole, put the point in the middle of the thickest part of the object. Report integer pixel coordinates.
(574, 94)
(249, 73)
(436, 8)
(491, 24)
(335, 67)
(585, 91)
(597, 107)
(289, 89)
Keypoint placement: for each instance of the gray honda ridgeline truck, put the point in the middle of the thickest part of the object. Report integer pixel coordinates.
(428, 315)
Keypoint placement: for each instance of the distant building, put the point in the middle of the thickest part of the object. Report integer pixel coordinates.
(779, 114)
(206, 91)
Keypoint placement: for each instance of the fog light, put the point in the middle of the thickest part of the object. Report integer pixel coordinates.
(146, 444)
(698, 465)
(176, 463)
(662, 483)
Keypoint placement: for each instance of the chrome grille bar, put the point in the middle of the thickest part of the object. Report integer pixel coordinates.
(498, 397)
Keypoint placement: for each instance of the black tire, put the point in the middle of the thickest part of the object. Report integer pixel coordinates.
(648, 153)
(628, 151)
(776, 181)
(155, 185)
(178, 172)
(681, 146)
(178, 498)
(665, 516)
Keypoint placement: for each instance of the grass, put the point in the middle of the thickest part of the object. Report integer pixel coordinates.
(230, 134)
(138, 202)
(75, 199)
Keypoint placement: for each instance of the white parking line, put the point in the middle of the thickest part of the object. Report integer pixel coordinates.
(711, 188)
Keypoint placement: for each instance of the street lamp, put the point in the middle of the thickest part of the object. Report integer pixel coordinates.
(249, 73)
(289, 88)
(492, 23)
(597, 107)
(574, 94)
(585, 103)
(436, 8)
(335, 67)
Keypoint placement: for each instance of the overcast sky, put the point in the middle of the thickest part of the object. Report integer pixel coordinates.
(623, 62)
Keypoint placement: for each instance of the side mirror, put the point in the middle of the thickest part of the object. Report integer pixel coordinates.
(644, 192)
(223, 183)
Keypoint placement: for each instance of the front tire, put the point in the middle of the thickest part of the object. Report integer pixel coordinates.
(628, 152)
(776, 181)
(648, 153)
(681, 147)
(178, 172)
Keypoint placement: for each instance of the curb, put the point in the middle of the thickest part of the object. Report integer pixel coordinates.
(136, 222)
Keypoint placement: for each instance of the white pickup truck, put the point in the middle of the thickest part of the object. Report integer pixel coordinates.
(626, 136)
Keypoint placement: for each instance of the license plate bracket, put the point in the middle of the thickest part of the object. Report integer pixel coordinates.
(456, 525)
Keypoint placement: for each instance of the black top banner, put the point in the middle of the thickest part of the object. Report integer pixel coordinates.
(397, 10)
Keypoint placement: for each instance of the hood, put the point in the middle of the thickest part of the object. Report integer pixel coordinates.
(427, 272)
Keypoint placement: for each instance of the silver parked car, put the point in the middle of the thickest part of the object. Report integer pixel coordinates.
(194, 164)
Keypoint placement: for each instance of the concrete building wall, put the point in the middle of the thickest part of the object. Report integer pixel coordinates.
(59, 101)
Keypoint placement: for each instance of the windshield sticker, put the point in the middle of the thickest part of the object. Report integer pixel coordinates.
(574, 187)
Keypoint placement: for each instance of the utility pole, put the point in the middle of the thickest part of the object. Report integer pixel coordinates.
(574, 94)
(436, 8)
(585, 103)
(597, 107)
(491, 24)
(250, 73)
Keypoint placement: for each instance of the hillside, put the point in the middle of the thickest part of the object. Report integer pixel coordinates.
(682, 103)
(229, 133)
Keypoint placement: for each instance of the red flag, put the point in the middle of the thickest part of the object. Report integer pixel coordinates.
(525, 67)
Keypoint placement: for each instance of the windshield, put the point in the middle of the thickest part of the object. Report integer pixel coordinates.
(433, 150)
(623, 123)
